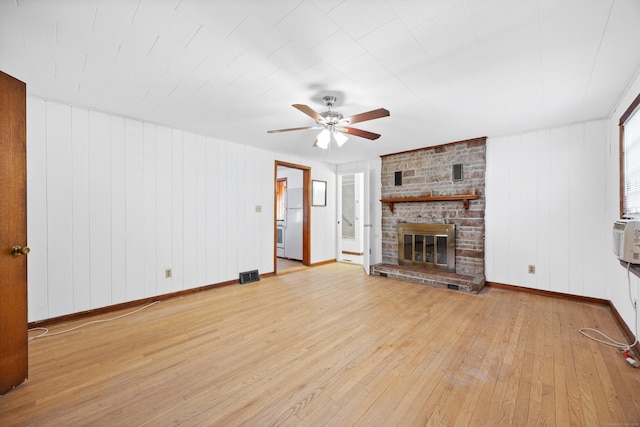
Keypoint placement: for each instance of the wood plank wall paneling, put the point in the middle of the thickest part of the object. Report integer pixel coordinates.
(59, 208)
(542, 208)
(577, 222)
(496, 212)
(559, 208)
(516, 222)
(134, 223)
(99, 209)
(118, 210)
(595, 178)
(222, 211)
(37, 209)
(233, 197)
(266, 232)
(189, 218)
(529, 190)
(149, 205)
(546, 207)
(81, 220)
(177, 213)
(164, 192)
(113, 202)
(245, 200)
(213, 214)
(201, 212)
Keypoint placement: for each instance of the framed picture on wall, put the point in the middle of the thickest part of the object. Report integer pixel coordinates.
(318, 193)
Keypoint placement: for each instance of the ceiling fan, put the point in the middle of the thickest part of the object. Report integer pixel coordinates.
(334, 124)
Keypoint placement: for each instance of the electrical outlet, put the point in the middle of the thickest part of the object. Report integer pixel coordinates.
(167, 273)
(532, 269)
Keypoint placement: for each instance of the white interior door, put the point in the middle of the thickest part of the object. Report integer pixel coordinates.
(366, 221)
(339, 216)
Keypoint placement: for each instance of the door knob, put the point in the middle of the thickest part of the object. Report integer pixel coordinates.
(20, 250)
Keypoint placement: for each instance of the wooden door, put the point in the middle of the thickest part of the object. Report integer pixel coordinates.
(13, 233)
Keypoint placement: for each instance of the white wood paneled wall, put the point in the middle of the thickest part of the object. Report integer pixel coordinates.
(546, 193)
(113, 202)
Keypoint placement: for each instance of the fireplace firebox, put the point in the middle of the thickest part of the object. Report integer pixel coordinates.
(430, 246)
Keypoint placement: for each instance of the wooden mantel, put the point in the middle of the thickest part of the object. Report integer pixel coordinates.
(431, 198)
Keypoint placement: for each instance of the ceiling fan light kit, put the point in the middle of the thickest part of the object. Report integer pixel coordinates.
(334, 125)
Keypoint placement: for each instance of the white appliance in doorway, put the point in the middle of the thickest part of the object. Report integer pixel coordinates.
(280, 229)
(293, 228)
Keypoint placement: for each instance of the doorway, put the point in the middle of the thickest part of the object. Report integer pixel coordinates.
(291, 214)
(351, 210)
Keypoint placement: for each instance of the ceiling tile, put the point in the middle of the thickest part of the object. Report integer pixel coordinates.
(258, 36)
(307, 25)
(448, 36)
(251, 66)
(388, 39)
(572, 22)
(415, 13)
(406, 60)
(112, 21)
(518, 69)
(216, 51)
(338, 49)
(365, 70)
(221, 17)
(507, 29)
(271, 12)
(327, 5)
(358, 18)
(293, 58)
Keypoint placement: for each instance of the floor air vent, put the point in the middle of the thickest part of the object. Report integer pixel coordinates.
(249, 276)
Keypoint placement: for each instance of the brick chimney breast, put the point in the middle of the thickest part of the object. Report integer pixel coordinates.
(429, 171)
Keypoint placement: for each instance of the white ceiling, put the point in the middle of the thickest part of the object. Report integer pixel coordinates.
(447, 70)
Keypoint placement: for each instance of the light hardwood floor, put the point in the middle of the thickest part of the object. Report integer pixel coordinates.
(329, 346)
(287, 265)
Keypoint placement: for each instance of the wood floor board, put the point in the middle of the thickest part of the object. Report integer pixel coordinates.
(565, 363)
(329, 345)
(503, 401)
(492, 353)
(611, 408)
(561, 393)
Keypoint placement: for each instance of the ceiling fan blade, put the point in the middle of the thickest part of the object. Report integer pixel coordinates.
(289, 130)
(369, 115)
(359, 132)
(310, 112)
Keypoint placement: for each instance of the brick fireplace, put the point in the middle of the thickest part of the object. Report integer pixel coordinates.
(435, 186)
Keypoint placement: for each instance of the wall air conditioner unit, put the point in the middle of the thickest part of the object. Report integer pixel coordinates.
(626, 240)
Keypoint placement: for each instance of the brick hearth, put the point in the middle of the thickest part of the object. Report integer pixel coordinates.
(439, 279)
